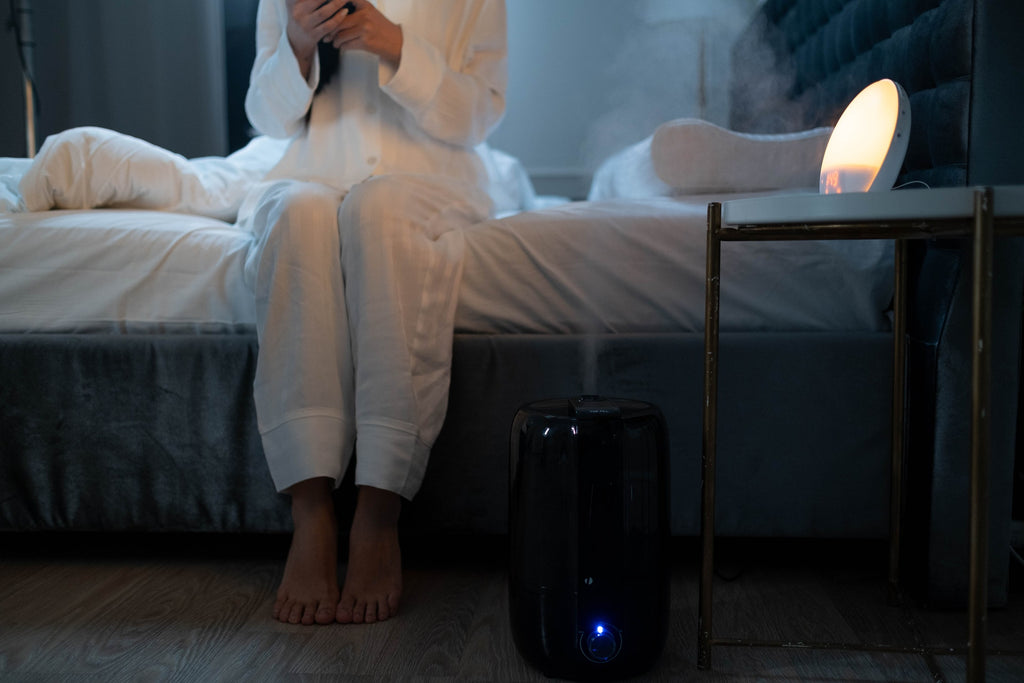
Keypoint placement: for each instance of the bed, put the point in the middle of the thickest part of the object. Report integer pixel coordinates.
(127, 347)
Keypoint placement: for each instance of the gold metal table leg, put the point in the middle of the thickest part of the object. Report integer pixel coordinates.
(899, 383)
(981, 372)
(710, 412)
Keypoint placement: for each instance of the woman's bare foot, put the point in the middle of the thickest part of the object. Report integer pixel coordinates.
(309, 589)
(373, 580)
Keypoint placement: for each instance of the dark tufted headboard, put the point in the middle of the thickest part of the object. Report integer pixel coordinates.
(801, 61)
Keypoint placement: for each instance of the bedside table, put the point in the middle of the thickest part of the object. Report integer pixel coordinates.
(900, 216)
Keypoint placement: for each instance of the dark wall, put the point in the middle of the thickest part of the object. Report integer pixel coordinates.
(51, 107)
(12, 113)
(149, 68)
(12, 118)
(239, 53)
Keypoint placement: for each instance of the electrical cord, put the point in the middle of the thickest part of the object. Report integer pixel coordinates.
(1016, 555)
(920, 183)
(13, 24)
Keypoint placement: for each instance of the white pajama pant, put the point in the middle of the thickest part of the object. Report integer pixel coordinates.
(355, 299)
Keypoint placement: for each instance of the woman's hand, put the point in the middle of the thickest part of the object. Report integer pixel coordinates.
(367, 29)
(309, 22)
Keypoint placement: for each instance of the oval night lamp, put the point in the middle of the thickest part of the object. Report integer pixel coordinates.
(867, 146)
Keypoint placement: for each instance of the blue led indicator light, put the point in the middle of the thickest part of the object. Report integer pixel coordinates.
(602, 644)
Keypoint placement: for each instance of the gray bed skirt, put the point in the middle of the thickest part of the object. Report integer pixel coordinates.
(158, 432)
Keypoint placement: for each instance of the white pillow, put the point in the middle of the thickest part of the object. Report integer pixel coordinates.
(628, 174)
(508, 184)
(694, 156)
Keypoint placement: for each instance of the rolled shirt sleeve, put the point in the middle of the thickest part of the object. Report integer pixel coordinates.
(278, 97)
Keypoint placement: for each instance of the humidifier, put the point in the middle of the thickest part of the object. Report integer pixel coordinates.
(588, 527)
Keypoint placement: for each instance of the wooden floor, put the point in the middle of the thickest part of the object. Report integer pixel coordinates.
(197, 609)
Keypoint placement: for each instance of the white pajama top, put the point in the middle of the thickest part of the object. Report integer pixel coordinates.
(423, 118)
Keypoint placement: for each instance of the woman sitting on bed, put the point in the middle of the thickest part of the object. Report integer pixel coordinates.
(356, 265)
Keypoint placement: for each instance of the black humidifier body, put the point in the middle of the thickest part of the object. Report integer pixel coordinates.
(588, 526)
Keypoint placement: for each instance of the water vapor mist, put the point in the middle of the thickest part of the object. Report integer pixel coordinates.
(675, 65)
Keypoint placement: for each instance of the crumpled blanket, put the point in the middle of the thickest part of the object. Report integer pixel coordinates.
(90, 167)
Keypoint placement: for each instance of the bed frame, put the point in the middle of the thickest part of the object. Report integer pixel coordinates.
(158, 433)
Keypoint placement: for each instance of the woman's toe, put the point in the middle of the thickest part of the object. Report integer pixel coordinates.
(295, 613)
(325, 613)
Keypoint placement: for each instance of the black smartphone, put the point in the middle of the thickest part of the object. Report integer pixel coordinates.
(330, 57)
(350, 6)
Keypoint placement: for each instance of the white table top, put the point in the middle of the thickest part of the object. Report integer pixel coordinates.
(895, 205)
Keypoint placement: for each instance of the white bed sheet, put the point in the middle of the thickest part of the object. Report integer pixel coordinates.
(110, 270)
(642, 270)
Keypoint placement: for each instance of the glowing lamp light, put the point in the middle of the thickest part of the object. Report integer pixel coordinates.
(867, 146)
